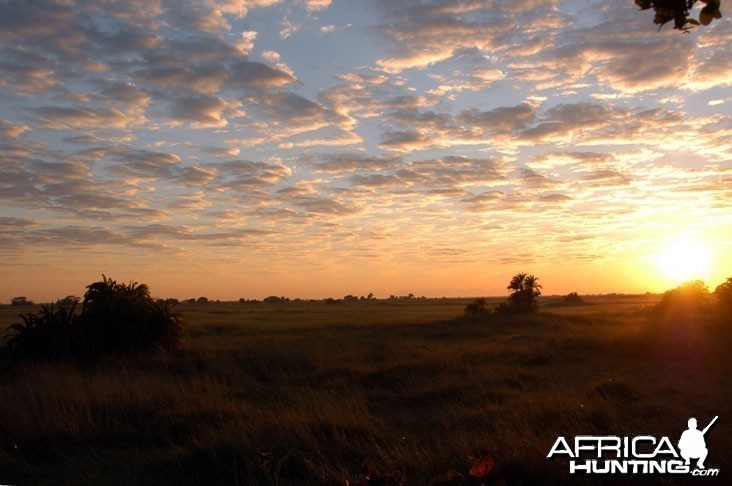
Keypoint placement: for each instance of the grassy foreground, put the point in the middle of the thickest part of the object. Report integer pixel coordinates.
(309, 393)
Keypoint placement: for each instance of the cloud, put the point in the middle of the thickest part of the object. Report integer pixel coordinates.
(475, 79)
(284, 115)
(200, 111)
(507, 119)
(325, 206)
(124, 93)
(288, 28)
(144, 164)
(631, 67)
(10, 130)
(244, 174)
(435, 31)
(554, 160)
(421, 129)
(445, 176)
(327, 137)
(340, 163)
(30, 19)
(240, 7)
(60, 118)
(7, 222)
(563, 121)
(316, 5)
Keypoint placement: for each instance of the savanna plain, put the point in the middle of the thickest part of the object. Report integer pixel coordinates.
(368, 392)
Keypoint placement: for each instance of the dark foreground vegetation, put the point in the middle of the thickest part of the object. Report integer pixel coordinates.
(373, 392)
(114, 318)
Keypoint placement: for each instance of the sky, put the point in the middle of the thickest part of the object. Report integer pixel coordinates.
(318, 148)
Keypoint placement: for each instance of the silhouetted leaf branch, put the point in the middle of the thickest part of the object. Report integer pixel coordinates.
(678, 11)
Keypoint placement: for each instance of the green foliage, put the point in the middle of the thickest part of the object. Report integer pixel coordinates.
(678, 11)
(53, 333)
(115, 318)
(524, 298)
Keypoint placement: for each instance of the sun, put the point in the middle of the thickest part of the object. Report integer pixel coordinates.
(684, 260)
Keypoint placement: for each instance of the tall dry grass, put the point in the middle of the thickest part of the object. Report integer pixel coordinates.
(242, 405)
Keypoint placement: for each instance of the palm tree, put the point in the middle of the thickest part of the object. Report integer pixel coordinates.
(525, 291)
(124, 317)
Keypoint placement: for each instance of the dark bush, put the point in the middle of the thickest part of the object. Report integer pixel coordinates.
(476, 309)
(723, 293)
(115, 318)
(20, 301)
(572, 298)
(686, 303)
(53, 333)
(123, 317)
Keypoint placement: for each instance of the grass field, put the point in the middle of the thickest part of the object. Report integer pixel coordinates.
(309, 393)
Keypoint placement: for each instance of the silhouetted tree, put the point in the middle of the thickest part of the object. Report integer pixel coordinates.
(723, 293)
(124, 317)
(524, 298)
(678, 11)
(71, 299)
(19, 301)
(202, 300)
(572, 298)
(687, 303)
(476, 309)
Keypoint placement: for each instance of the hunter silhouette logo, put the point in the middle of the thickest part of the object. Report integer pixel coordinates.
(641, 454)
(692, 444)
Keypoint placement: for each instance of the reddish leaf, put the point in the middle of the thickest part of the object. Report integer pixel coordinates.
(482, 467)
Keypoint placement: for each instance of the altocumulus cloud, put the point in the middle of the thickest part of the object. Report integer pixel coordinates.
(304, 130)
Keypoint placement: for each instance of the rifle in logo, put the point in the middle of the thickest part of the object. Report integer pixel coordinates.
(692, 444)
(706, 429)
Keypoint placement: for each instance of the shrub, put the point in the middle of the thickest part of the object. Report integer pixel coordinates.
(688, 302)
(723, 293)
(572, 298)
(53, 333)
(123, 317)
(114, 318)
(476, 309)
(20, 301)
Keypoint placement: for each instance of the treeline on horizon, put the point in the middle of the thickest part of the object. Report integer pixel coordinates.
(119, 318)
(21, 301)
